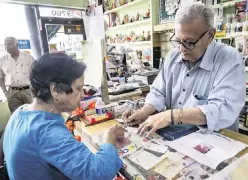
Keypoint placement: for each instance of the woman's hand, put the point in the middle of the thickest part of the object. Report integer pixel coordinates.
(114, 134)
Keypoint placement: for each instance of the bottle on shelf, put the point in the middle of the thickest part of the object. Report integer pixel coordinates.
(100, 107)
(234, 26)
(245, 24)
(228, 24)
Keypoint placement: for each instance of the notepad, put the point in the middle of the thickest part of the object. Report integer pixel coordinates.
(174, 132)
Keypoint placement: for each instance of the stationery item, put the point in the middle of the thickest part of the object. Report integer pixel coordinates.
(207, 148)
(91, 133)
(174, 132)
(236, 170)
(97, 118)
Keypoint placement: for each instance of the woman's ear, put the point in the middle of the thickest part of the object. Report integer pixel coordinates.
(53, 90)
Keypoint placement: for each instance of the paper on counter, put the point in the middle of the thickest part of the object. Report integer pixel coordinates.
(156, 147)
(120, 120)
(144, 159)
(132, 130)
(208, 149)
(168, 168)
(237, 170)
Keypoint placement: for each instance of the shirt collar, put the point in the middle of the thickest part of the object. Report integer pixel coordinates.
(207, 62)
(206, 59)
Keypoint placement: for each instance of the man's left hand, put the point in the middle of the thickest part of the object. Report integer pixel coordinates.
(155, 122)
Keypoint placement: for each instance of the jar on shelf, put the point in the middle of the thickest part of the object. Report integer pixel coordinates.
(233, 26)
(229, 18)
(245, 27)
(228, 28)
(239, 27)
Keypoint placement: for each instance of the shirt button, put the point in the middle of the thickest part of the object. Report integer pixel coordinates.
(180, 103)
(188, 75)
(183, 90)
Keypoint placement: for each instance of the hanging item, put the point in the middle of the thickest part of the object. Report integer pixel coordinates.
(171, 6)
(167, 10)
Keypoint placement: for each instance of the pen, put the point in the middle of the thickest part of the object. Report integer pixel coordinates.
(129, 109)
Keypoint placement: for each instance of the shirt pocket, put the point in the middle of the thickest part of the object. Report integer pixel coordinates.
(198, 99)
(24, 68)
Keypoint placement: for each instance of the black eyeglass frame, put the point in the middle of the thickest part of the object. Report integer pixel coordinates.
(183, 43)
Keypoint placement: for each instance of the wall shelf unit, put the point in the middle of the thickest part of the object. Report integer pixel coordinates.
(133, 24)
(131, 43)
(123, 7)
(225, 4)
(143, 27)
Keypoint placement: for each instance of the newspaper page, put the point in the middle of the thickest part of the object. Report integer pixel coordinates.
(235, 171)
(209, 149)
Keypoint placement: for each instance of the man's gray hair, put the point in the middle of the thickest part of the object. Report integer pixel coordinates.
(194, 11)
(12, 39)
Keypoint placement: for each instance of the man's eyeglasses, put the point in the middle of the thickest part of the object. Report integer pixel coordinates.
(186, 44)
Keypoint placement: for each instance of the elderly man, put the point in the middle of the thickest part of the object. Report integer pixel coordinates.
(14, 75)
(202, 81)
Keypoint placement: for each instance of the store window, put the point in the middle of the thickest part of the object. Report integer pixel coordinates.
(13, 23)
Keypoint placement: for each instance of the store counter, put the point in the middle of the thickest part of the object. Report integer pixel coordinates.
(131, 170)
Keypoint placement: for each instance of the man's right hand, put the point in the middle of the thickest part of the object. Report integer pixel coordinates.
(133, 117)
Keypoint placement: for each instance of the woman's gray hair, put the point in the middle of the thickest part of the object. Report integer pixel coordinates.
(194, 11)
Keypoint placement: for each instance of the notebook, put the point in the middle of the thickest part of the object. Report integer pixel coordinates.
(173, 132)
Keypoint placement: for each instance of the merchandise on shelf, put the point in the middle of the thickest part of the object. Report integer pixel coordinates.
(113, 19)
(132, 37)
(112, 4)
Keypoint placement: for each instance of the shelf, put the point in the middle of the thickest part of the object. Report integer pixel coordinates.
(163, 27)
(225, 4)
(233, 36)
(132, 43)
(124, 6)
(130, 24)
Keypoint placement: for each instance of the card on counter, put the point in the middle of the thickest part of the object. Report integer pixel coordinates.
(144, 159)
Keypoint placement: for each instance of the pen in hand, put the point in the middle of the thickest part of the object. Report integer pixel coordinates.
(125, 117)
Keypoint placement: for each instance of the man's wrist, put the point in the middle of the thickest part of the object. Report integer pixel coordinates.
(176, 116)
(147, 110)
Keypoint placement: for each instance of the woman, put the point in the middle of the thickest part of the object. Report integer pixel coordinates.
(37, 144)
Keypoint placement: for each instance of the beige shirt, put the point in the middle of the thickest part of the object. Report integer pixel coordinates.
(16, 72)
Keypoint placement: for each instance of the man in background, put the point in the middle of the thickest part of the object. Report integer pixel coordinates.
(14, 75)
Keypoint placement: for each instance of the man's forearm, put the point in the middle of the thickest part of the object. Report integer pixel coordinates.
(189, 116)
(2, 85)
(148, 109)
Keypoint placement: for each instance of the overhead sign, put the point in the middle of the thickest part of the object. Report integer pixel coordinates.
(24, 44)
(60, 13)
